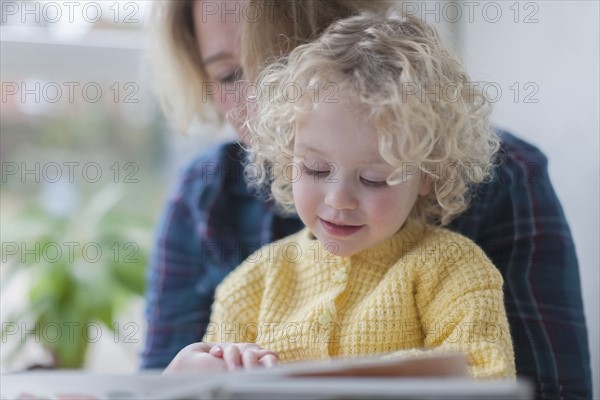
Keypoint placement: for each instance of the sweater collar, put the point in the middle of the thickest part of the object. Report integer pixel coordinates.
(389, 250)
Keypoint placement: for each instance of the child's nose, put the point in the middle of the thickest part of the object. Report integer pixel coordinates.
(340, 196)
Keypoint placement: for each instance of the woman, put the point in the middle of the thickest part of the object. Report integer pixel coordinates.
(212, 222)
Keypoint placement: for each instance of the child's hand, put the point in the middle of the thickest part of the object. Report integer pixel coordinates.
(195, 357)
(217, 357)
(244, 355)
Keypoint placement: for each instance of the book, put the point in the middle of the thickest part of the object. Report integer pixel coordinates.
(427, 376)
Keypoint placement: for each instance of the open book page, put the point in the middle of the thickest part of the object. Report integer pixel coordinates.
(428, 376)
(422, 365)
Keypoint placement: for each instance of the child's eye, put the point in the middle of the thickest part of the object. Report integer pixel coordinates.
(232, 77)
(374, 184)
(314, 172)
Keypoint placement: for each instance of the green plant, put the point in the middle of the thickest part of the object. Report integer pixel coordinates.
(84, 269)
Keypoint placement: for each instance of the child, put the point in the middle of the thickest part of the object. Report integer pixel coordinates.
(374, 136)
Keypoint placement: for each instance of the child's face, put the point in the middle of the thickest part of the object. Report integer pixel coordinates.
(341, 195)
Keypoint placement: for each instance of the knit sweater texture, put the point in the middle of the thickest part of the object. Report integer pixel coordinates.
(426, 289)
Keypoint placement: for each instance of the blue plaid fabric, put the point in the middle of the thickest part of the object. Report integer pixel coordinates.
(213, 222)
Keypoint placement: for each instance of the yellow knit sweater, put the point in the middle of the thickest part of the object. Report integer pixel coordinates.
(420, 289)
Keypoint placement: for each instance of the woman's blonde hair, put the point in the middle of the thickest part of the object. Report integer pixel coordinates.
(285, 24)
(425, 111)
(178, 71)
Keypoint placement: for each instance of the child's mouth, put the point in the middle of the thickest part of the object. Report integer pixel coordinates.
(339, 229)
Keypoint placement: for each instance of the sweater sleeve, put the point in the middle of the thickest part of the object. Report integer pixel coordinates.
(460, 303)
(234, 316)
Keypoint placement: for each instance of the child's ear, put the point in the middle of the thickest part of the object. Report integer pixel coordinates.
(425, 184)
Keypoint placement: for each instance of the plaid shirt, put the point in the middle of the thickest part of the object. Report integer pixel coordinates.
(212, 223)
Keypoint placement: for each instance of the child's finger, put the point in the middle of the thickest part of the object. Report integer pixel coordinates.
(263, 352)
(250, 359)
(216, 351)
(232, 357)
(269, 360)
(248, 346)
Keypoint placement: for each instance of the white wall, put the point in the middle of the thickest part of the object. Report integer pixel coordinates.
(559, 54)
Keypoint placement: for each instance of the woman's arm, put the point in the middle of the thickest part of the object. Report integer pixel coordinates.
(188, 260)
(518, 221)
(176, 311)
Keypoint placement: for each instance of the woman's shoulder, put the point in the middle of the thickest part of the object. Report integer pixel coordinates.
(204, 178)
(212, 161)
(517, 157)
(513, 145)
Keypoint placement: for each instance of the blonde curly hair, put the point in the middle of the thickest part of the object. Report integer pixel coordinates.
(421, 103)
